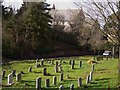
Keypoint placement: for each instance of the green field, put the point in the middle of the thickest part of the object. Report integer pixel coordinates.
(105, 73)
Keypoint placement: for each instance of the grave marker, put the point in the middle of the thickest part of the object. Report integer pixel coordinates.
(47, 83)
(44, 71)
(79, 82)
(18, 77)
(72, 87)
(54, 80)
(61, 87)
(61, 77)
(10, 79)
(38, 83)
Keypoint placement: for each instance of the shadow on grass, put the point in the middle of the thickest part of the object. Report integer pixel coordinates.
(102, 79)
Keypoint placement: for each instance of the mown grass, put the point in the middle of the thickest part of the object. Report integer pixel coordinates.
(105, 73)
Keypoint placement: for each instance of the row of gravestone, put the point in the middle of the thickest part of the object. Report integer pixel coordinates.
(47, 83)
(18, 76)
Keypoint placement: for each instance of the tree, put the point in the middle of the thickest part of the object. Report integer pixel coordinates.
(108, 14)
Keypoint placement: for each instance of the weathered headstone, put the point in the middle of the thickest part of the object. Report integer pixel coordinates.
(61, 61)
(18, 77)
(87, 79)
(61, 87)
(67, 76)
(38, 83)
(60, 68)
(3, 73)
(47, 83)
(73, 62)
(93, 67)
(61, 77)
(30, 69)
(52, 62)
(54, 80)
(91, 76)
(79, 82)
(56, 68)
(80, 63)
(42, 63)
(56, 63)
(72, 87)
(14, 72)
(10, 79)
(44, 71)
(72, 66)
(70, 62)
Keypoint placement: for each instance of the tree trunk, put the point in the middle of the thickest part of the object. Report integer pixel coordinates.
(113, 52)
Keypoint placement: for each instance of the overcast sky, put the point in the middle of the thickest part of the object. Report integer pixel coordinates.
(60, 4)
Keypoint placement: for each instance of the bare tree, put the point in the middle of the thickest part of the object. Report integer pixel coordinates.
(107, 12)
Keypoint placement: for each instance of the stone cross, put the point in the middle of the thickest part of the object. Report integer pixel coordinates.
(10, 79)
(30, 69)
(3, 73)
(54, 80)
(72, 87)
(47, 83)
(61, 77)
(80, 63)
(18, 77)
(79, 82)
(44, 71)
(38, 83)
(61, 87)
(87, 79)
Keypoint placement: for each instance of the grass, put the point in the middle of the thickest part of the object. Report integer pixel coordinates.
(105, 73)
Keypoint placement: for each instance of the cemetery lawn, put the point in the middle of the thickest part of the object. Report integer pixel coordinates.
(105, 73)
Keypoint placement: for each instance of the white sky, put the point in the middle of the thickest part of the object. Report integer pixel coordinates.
(59, 4)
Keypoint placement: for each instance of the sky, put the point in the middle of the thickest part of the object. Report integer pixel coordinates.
(59, 4)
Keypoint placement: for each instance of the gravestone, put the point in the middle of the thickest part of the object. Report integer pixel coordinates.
(73, 62)
(67, 76)
(72, 87)
(72, 66)
(61, 77)
(61, 87)
(54, 80)
(93, 67)
(44, 71)
(80, 63)
(79, 82)
(60, 68)
(3, 73)
(30, 69)
(60, 61)
(42, 63)
(47, 83)
(18, 77)
(56, 63)
(70, 62)
(14, 72)
(56, 68)
(87, 79)
(52, 62)
(10, 79)
(91, 75)
(38, 83)
(37, 65)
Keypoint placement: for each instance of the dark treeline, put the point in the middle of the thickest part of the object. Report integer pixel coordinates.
(29, 33)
